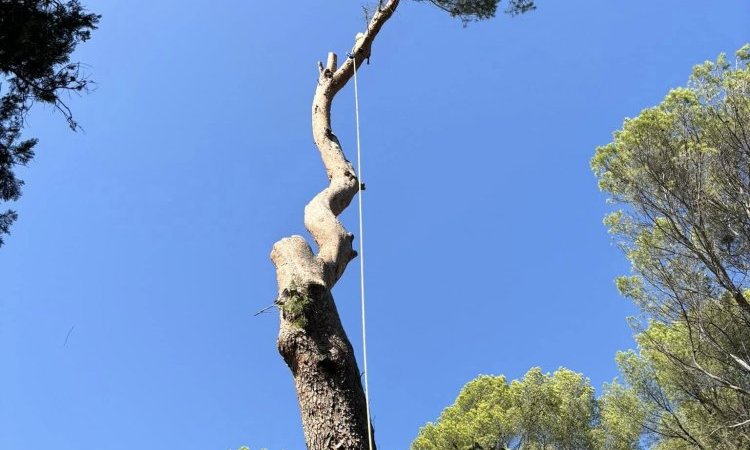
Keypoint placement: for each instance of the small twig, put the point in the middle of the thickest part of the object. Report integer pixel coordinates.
(68, 336)
(736, 425)
(264, 310)
(366, 11)
(743, 423)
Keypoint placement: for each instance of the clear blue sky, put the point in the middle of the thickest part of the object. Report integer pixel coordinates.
(149, 233)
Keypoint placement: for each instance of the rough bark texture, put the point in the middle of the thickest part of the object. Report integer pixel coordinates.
(311, 339)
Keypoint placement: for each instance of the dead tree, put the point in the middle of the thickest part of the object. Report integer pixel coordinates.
(311, 338)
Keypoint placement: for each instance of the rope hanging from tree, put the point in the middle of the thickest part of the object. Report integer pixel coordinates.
(361, 255)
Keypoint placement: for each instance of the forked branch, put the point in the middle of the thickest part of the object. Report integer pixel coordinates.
(333, 241)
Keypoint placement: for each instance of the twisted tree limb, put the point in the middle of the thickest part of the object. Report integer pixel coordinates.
(311, 338)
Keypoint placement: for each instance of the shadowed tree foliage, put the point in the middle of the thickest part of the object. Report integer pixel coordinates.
(681, 172)
(37, 38)
(471, 10)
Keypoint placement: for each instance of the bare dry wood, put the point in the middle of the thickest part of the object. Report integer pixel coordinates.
(311, 339)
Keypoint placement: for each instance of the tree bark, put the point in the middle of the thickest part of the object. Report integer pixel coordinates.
(311, 339)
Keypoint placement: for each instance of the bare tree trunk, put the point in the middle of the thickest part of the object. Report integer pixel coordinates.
(311, 339)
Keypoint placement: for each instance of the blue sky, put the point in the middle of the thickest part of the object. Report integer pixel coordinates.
(149, 233)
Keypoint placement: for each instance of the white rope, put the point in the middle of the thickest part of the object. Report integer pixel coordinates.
(361, 255)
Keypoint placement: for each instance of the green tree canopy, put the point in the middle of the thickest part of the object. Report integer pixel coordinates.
(541, 411)
(680, 172)
(470, 10)
(37, 38)
(682, 396)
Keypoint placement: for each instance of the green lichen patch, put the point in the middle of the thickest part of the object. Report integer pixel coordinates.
(293, 304)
